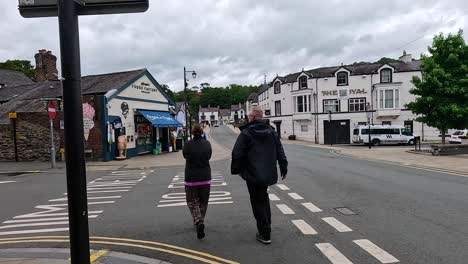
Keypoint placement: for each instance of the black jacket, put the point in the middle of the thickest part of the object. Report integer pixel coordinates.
(256, 153)
(197, 153)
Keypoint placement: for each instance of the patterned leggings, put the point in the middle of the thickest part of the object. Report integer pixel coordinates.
(197, 201)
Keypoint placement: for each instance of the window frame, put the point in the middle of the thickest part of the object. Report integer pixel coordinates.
(382, 98)
(301, 80)
(381, 75)
(357, 98)
(306, 128)
(278, 113)
(277, 87)
(338, 104)
(346, 75)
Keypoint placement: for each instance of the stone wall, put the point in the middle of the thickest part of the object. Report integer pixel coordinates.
(7, 151)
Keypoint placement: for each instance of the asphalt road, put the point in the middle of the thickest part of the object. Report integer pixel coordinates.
(400, 214)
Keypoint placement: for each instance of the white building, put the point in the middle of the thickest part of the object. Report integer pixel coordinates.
(225, 116)
(252, 100)
(209, 115)
(238, 112)
(324, 104)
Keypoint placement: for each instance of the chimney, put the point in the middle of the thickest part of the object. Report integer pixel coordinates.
(46, 66)
(240, 105)
(406, 58)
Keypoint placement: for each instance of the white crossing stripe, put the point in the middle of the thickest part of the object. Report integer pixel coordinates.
(285, 209)
(42, 220)
(340, 227)
(375, 251)
(273, 197)
(332, 254)
(283, 187)
(305, 228)
(312, 207)
(34, 224)
(7, 182)
(295, 196)
(35, 231)
(108, 191)
(48, 214)
(89, 198)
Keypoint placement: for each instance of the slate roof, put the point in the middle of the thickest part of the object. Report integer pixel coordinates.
(253, 97)
(12, 78)
(27, 98)
(224, 112)
(263, 88)
(356, 69)
(237, 108)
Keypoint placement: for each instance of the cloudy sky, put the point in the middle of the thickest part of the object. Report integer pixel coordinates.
(239, 41)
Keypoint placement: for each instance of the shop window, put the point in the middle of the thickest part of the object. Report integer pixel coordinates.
(357, 104)
(331, 105)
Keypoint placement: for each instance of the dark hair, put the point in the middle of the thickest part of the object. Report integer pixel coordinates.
(197, 130)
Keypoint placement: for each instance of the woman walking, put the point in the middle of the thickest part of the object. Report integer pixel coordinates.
(197, 153)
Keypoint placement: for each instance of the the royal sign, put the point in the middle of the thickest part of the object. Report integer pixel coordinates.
(49, 8)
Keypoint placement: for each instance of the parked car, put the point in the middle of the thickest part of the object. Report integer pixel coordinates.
(458, 136)
(383, 135)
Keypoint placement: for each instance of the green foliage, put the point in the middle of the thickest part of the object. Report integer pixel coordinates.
(442, 93)
(23, 66)
(168, 91)
(385, 60)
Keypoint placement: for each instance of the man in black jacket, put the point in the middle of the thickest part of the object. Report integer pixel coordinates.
(254, 157)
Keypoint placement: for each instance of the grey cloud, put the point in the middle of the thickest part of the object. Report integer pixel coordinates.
(238, 41)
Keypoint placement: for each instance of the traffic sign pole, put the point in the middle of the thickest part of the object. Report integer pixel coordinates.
(52, 110)
(74, 143)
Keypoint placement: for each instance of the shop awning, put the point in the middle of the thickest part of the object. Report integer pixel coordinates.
(160, 119)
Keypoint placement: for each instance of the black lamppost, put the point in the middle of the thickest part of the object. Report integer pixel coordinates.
(187, 127)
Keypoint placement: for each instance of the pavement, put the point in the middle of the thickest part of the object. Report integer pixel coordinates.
(330, 209)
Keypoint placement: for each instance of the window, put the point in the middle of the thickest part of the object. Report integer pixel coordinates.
(362, 123)
(386, 123)
(332, 105)
(277, 108)
(303, 83)
(389, 98)
(304, 128)
(342, 78)
(277, 87)
(302, 104)
(386, 76)
(357, 104)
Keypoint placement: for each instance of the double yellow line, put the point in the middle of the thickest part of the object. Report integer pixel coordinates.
(131, 243)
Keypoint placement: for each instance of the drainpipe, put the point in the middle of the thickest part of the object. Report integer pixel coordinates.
(316, 112)
(372, 99)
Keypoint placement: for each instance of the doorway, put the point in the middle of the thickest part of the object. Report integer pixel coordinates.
(337, 132)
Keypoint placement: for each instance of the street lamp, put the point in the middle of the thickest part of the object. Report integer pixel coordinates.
(369, 113)
(194, 75)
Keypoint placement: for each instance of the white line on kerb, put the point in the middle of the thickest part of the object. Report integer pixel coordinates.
(375, 251)
(273, 197)
(283, 187)
(285, 209)
(312, 207)
(340, 227)
(305, 228)
(333, 254)
(295, 196)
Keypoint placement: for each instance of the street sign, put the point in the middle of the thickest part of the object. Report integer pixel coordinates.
(12, 115)
(49, 8)
(52, 110)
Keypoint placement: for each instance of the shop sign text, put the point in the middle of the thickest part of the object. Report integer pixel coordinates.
(351, 91)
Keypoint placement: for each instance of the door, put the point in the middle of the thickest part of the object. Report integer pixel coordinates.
(278, 128)
(409, 126)
(337, 131)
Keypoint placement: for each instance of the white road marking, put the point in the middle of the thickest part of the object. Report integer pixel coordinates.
(273, 197)
(340, 227)
(34, 224)
(285, 209)
(33, 231)
(108, 191)
(305, 228)
(89, 198)
(283, 187)
(332, 254)
(185, 204)
(42, 220)
(312, 207)
(42, 214)
(376, 251)
(1, 182)
(295, 196)
(109, 188)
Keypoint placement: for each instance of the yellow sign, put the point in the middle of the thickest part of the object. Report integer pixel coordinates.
(12, 115)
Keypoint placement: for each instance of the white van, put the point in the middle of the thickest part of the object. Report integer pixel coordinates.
(383, 135)
(458, 136)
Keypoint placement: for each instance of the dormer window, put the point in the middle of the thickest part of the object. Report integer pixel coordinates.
(342, 78)
(277, 87)
(386, 76)
(303, 82)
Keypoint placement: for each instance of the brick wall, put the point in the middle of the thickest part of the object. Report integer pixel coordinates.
(46, 66)
(33, 136)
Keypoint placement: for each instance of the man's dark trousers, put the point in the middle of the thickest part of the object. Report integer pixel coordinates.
(261, 208)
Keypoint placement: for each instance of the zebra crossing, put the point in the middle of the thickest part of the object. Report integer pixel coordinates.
(53, 217)
(327, 249)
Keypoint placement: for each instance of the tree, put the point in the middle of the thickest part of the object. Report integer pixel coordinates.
(168, 91)
(204, 85)
(385, 60)
(442, 93)
(23, 66)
